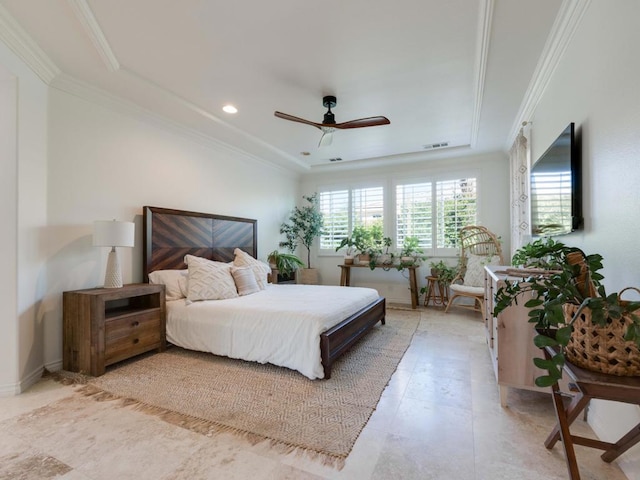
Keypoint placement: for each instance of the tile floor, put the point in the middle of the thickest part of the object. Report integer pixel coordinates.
(439, 418)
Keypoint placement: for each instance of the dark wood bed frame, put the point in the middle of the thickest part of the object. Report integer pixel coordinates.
(171, 234)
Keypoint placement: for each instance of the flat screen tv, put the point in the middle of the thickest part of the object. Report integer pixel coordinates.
(556, 190)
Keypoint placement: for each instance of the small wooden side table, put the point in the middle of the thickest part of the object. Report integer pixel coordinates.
(587, 385)
(437, 292)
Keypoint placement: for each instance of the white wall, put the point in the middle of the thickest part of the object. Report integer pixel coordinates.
(9, 237)
(24, 164)
(105, 164)
(596, 86)
(492, 174)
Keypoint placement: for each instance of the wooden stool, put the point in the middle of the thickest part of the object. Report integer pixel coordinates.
(437, 292)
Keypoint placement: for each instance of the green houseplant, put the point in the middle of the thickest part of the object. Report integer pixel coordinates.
(560, 297)
(410, 253)
(444, 272)
(285, 263)
(304, 226)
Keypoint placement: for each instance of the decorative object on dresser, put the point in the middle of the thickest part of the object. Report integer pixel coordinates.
(111, 233)
(571, 309)
(103, 326)
(304, 226)
(478, 247)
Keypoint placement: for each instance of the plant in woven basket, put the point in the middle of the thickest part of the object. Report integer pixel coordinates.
(571, 310)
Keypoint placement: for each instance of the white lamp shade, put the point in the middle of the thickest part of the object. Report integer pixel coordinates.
(110, 233)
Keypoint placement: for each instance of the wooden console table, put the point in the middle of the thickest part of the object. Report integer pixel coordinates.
(345, 278)
(586, 385)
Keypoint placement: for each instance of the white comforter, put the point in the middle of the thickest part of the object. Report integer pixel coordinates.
(280, 325)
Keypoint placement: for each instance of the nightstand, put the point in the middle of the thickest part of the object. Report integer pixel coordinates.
(102, 326)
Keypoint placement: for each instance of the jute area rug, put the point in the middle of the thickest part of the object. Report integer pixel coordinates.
(211, 394)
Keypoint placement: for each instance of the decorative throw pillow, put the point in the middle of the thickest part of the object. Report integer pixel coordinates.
(245, 279)
(474, 275)
(175, 282)
(209, 280)
(260, 269)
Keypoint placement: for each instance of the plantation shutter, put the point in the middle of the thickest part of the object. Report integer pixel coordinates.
(414, 207)
(367, 206)
(456, 208)
(335, 209)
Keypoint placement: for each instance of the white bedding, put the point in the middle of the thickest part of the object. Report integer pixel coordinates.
(280, 325)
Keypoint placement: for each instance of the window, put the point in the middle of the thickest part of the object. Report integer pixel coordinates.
(433, 211)
(344, 209)
(456, 208)
(435, 215)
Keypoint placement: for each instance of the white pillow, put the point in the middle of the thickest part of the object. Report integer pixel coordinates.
(245, 279)
(260, 269)
(474, 275)
(174, 281)
(209, 280)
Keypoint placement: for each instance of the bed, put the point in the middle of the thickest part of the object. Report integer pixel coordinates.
(171, 234)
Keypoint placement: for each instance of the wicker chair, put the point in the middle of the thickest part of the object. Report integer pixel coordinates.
(478, 247)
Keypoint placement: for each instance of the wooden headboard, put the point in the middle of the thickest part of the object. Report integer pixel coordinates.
(171, 234)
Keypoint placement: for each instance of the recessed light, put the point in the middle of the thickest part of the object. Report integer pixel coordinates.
(230, 109)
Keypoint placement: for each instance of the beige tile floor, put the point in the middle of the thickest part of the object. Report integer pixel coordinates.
(439, 418)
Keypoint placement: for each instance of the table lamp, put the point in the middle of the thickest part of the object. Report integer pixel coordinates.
(113, 234)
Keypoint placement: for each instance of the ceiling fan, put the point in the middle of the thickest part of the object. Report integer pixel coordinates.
(329, 125)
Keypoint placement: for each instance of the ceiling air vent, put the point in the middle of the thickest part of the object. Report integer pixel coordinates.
(433, 146)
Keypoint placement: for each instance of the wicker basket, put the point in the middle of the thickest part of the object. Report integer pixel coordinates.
(601, 348)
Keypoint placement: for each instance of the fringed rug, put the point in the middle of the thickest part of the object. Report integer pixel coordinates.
(211, 394)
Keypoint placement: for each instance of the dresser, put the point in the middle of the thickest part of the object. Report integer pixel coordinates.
(510, 338)
(102, 326)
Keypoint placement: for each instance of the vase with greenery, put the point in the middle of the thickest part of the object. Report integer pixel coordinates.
(285, 263)
(443, 272)
(304, 226)
(571, 279)
(411, 253)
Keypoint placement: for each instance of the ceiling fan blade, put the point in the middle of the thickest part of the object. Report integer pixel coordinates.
(363, 122)
(286, 116)
(326, 139)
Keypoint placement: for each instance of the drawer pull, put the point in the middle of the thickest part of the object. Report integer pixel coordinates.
(135, 340)
(135, 324)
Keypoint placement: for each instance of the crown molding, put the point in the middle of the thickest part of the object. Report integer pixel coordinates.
(20, 43)
(562, 31)
(88, 20)
(485, 18)
(95, 95)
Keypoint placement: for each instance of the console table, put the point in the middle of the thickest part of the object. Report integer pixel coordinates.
(586, 385)
(345, 278)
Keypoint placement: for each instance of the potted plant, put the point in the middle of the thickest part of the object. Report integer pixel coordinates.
(285, 263)
(443, 272)
(410, 253)
(305, 224)
(348, 254)
(385, 258)
(568, 294)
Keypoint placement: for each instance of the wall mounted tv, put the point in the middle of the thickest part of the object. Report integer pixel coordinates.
(556, 188)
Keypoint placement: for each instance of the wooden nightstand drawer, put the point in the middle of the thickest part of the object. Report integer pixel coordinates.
(130, 325)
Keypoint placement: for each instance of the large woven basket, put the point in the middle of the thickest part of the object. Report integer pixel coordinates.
(601, 348)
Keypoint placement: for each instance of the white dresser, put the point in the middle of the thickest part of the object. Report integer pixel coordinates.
(510, 338)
